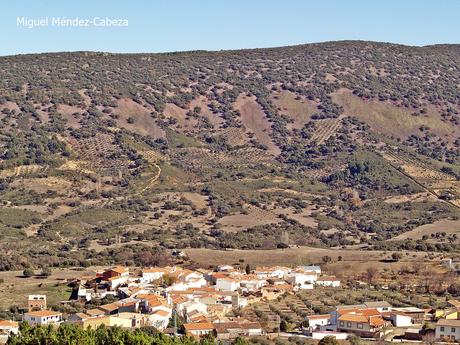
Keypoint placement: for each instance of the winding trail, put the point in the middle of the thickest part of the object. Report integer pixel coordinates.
(153, 179)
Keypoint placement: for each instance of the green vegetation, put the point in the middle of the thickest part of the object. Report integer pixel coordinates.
(324, 145)
(101, 335)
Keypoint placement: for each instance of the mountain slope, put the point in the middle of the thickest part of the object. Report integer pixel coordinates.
(113, 156)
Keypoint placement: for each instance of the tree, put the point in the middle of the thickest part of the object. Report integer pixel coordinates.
(305, 324)
(248, 269)
(283, 326)
(46, 271)
(326, 259)
(454, 289)
(328, 340)
(239, 341)
(354, 339)
(74, 334)
(396, 256)
(371, 274)
(28, 272)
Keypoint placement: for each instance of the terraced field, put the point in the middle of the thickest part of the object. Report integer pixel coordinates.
(23, 170)
(434, 181)
(325, 129)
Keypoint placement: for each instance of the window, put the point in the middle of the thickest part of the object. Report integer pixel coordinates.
(360, 325)
(442, 329)
(452, 329)
(348, 324)
(341, 323)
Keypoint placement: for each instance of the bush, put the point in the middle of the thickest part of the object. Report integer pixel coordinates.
(28, 273)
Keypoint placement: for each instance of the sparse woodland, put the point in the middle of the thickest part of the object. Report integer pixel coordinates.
(116, 158)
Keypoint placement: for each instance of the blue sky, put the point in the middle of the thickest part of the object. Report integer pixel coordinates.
(174, 25)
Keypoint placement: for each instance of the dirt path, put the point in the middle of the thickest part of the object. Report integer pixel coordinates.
(153, 179)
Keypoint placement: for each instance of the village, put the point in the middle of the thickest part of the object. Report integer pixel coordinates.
(179, 301)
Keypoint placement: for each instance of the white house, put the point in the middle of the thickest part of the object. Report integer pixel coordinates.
(86, 294)
(227, 284)
(271, 272)
(196, 282)
(194, 306)
(252, 284)
(224, 268)
(8, 327)
(381, 306)
(159, 319)
(303, 280)
(398, 319)
(448, 329)
(151, 274)
(330, 281)
(117, 281)
(315, 321)
(313, 268)
(43, 317)
(179, 286)
(198, 329)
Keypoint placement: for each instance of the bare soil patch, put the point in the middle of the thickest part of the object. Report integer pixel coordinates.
(290, 256)
(255, 216)
(390, 119)
(143, 123)
(447, 226)
(298, 109)
(255, 120)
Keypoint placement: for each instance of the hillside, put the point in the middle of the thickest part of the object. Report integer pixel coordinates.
(116, 157)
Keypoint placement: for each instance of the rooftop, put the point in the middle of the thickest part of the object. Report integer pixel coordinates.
(200, 326)
(448, 322)
(43, 313)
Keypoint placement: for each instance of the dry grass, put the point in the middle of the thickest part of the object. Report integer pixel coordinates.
(255, 216)
(15, 289)
(293, 256)
(255, 120)
(143, 124)
(389, 119)
(299, 110)
(42, 185)
(68, 112)
(416, 197)
(447, 226)
(22, 170)
(173, 111)
(202, 102)
(198, 200)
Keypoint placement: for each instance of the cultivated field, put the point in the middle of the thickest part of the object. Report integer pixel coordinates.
(294, 256)
(450, 227)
